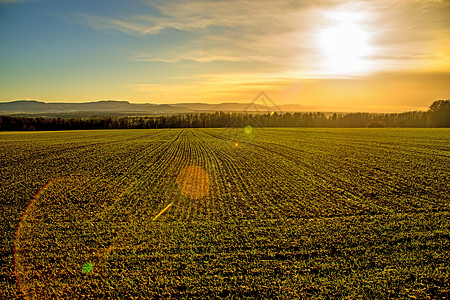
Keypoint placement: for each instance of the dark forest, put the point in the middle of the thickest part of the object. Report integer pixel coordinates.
(438, 115)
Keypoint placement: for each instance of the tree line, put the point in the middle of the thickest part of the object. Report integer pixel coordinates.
(438, 115)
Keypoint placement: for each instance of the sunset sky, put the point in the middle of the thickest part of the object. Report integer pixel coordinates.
(382, 55)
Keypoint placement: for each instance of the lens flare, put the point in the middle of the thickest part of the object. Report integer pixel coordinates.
(193, 182)
(162, 211)
(50, 245)
(18, 274)
(87, 268)
(248, 129)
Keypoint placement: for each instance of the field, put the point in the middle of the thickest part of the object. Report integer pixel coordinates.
(225, 213)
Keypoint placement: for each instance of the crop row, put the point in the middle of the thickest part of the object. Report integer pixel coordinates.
(206, 213)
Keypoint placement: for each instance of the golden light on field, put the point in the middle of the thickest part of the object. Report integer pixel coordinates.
(193, 182)
(344, 44)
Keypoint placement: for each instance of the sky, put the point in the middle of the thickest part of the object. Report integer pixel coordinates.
(366, 55)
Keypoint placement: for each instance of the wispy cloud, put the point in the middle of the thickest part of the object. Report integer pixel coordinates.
(204, 56)
(411, 30)
(243, 30)
(284, 33)
(259, 16)
(139, 24)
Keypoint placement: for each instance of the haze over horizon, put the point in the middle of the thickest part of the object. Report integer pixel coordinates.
(380, 55)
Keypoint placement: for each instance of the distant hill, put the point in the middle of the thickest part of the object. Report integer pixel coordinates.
(110, 106)
(33, 107)
(113, 108)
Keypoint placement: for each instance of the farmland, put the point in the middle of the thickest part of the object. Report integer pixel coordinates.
(225, 213)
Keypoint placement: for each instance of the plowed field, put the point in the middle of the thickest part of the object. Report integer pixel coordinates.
(225, 213)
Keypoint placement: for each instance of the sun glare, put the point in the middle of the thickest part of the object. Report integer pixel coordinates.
(344, 45)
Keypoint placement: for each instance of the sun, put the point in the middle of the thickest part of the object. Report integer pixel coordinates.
(344, 45)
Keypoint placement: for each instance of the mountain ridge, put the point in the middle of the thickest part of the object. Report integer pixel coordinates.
(122, 107)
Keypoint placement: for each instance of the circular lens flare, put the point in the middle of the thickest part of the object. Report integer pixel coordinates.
(87, 268)
(193, 182)
(51, 245)
(248, 129)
